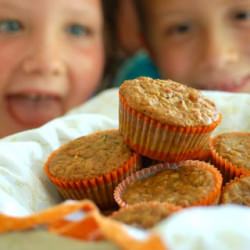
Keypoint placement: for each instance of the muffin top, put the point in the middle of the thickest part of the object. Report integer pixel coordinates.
(169, 102)
(183, 185)
(89, 156)
(234, 147)
(144, 215)
(237, 191)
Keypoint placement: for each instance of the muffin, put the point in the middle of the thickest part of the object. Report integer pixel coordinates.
(165, 120)
(144, 215)
(230, 153)
(237, 191)
(91, 166)
(184, 184)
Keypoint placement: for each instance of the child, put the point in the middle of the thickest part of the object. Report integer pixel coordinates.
(52, 58)
(204, 44)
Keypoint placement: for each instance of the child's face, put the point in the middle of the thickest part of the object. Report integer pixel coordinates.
(205, 44)
(51, 59)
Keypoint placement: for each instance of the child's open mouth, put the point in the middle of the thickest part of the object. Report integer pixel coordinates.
(228, 85)
(34, 109)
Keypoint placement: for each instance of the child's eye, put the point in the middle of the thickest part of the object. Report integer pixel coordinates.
(242, 15)
(179, 29)
(10, 26)
(78, 30)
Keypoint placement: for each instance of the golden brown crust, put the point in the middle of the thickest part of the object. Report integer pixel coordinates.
(90, 156)
(144, 215)
(169, 102)
(237, 191)
(183, 186)
(234, 147)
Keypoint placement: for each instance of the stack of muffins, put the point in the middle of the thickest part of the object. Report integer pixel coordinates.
(159, 119)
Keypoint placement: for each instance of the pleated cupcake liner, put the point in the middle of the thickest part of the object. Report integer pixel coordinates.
(211, 198)
(203, 155)
(228, 169)
(98, 189)
(159, 141)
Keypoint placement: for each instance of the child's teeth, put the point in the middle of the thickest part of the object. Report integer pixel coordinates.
(35, 97)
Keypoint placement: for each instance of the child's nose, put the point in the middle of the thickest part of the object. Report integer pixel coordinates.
(220, 50)
(44, 57)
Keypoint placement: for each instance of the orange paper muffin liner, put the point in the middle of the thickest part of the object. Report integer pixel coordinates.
(211, 198)
(99, 189)
(159, 141)
(203, 155)
(228, 169)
